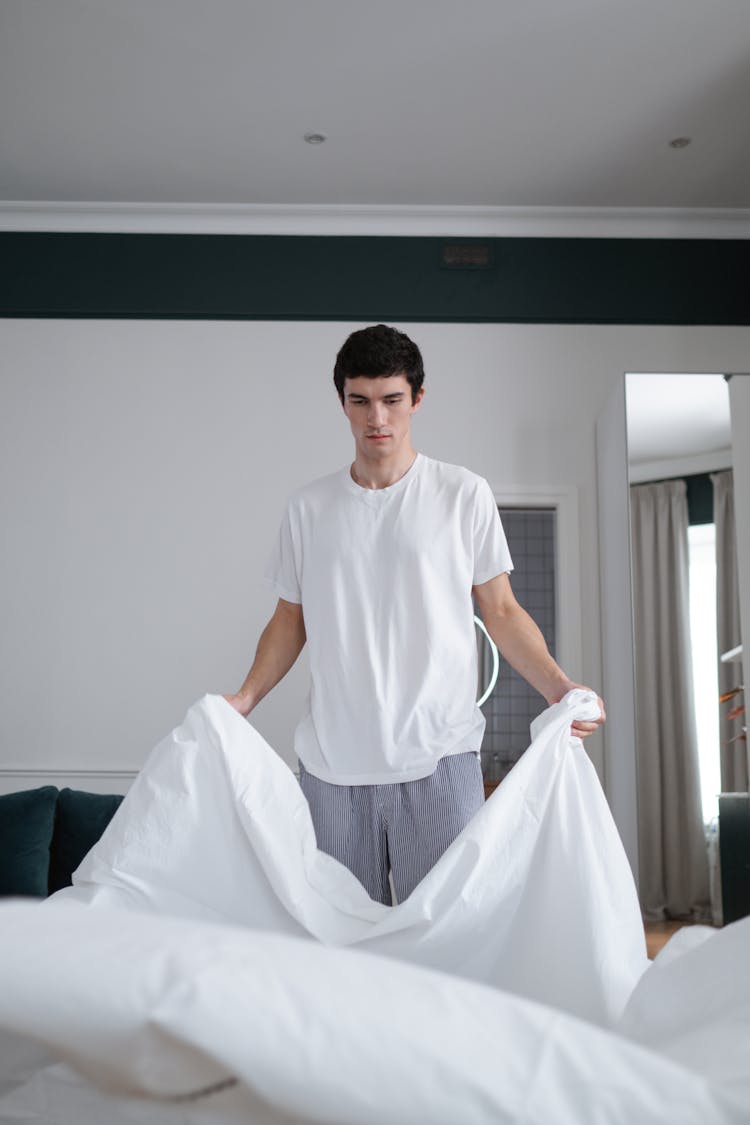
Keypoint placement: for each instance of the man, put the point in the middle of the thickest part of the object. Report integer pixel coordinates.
(375, 567)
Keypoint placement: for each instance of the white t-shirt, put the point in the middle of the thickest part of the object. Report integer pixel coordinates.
(384, 577)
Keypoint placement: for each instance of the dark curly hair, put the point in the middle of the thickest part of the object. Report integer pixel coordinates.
(377, 351)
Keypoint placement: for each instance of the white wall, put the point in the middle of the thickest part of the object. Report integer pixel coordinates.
(143, 471)
(616, 619)
(739, 395)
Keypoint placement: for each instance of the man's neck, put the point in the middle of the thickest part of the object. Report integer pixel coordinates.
(382, 474)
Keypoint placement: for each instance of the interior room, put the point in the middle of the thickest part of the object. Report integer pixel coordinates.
(197, 206)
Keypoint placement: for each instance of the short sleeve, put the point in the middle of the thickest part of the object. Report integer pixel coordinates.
(491, 554)
(283, 571)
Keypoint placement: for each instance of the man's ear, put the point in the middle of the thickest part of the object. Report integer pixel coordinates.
(418, 400)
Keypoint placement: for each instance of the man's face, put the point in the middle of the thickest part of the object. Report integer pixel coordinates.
(379, 412)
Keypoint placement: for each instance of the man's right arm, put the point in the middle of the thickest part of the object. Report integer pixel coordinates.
(280, 644)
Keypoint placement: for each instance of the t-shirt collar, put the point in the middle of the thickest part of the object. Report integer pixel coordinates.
(378, 496)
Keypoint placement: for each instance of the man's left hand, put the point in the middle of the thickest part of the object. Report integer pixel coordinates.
(582, 728)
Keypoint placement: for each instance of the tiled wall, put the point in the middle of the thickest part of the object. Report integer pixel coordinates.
(513, 703)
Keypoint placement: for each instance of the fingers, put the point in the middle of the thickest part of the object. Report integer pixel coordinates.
(583, 730)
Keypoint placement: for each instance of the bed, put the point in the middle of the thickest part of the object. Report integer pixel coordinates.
(210, 964)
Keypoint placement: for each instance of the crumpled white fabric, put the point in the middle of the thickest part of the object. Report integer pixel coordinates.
(250, 986)
(535, 896)
(173, 1008)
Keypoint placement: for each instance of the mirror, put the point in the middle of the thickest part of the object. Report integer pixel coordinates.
(678, 430)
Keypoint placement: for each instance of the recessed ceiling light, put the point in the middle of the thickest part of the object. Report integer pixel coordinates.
(680, 142)
(315, 138)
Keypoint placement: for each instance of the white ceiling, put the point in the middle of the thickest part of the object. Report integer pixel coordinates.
(675, 417)
(487, 103)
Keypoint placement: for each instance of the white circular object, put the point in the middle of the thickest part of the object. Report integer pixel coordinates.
(495, 661)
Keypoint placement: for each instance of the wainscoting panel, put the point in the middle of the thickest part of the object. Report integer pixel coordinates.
(92, 781)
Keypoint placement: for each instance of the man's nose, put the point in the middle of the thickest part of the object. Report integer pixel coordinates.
(376, 414)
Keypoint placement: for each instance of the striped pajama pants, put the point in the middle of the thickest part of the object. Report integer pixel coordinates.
(400, 829)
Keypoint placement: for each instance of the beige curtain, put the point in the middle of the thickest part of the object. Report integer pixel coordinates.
(673, 857)
(734, 755)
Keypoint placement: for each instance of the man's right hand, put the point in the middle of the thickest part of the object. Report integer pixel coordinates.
(240, 703)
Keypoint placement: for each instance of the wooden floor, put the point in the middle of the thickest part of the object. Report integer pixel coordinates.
(659, 933)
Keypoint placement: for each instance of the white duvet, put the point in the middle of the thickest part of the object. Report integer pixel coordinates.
(511, 986)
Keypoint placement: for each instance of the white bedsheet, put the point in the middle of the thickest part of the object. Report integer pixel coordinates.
(172, 1008)
(535, 896)
(213, 955)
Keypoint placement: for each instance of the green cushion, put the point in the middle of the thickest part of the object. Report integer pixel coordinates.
(81, 819)
(26, 823)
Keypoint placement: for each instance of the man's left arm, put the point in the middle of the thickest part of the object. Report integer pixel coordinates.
(521, 643)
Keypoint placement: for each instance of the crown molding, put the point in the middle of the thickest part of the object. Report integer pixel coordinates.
(353, 220)
(644, 472)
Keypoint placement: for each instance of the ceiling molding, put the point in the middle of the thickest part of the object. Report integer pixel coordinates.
(642, 472)
(428, 221)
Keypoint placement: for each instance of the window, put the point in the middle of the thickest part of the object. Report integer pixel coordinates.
(531, 534)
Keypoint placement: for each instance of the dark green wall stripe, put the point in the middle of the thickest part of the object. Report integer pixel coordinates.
(700, 498)
(531, 280)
